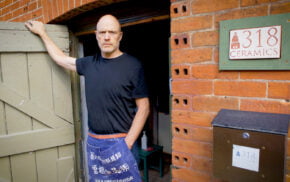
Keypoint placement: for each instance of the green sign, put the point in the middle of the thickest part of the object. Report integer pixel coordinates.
(258, 43)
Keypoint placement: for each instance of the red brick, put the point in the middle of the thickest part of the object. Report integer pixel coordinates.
(192, 147)
(191, 23)
(202, 164)
(6, 2)
(203, 134)
(266, 75)
(216, 55)
(71, 4)
(195, 118)
(25, 8)
(65, 5)
(77, 3)
(205, 38)
(54, 9)
(181, 131)
(242, 13)
(241, 89)
(26, 17)
(180, 71)
(179, 9)
(180, 41)
(181, 102)
(7, 17)
(59, 7)
(15, 5)
(188, 175)
(279, 90)
(40, 19)
(18, 12)
(24, 3)
(255, 2)
(269, 106)
(191, 55)
(201, 6)
(205, 71)
(194, 87)
(181, 159)
(213, 103)
(37, 13)
(32, 6)
(280, 8)
(47, 10)
(39, 3)
(6, 10)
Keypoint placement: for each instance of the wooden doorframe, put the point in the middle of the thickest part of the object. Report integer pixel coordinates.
(76, 101)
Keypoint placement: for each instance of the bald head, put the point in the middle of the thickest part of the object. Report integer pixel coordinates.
(108, 20)
(109, 35)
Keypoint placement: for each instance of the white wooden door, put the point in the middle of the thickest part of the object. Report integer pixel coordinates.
(36, 117)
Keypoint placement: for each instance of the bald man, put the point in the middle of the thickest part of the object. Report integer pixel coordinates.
(117, 101)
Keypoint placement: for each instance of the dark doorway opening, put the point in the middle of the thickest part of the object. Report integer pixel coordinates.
(149, 42)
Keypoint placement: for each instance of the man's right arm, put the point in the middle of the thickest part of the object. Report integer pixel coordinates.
(55, 53)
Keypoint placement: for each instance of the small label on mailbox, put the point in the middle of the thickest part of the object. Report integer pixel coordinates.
(246, 157)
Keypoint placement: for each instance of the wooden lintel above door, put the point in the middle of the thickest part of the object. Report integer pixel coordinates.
(129, 13)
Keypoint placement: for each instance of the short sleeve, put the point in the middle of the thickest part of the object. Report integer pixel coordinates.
(139, 81)
(83, 63)
(80, 66)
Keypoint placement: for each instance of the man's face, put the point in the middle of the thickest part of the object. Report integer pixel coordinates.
(109, 36)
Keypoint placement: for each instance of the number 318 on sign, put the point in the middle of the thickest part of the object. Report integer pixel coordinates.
(255, 43)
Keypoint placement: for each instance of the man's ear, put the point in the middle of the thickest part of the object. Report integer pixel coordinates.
(121, 36)
(96, 34)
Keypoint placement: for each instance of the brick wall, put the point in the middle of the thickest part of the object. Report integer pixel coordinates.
(200, 90)
(21, 10)
(47, 10)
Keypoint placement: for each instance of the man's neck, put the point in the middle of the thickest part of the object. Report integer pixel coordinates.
(112, 55)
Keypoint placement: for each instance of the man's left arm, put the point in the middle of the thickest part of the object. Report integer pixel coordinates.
(139, 121)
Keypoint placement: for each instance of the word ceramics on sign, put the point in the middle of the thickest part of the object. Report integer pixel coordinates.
(255, 43)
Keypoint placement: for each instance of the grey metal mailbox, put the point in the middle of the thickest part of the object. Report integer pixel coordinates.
(250, 146)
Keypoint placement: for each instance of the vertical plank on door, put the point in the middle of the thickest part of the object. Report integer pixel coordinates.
(5, 175)
(24, 167)
(39, 68)
(47, 165)
(2, 119)
(66, 169)
(14, 72)
(62, 96)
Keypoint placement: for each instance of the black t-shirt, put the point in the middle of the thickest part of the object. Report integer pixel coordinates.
(111, 86)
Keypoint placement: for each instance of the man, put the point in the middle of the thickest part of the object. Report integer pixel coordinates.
(117, 101)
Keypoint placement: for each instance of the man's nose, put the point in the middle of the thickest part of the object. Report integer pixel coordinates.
(107, 35)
